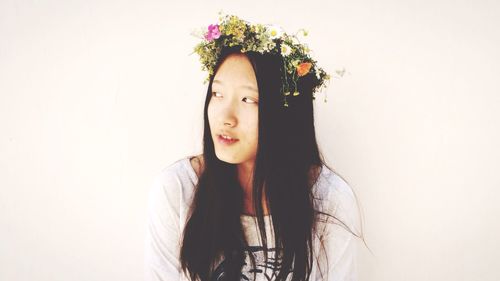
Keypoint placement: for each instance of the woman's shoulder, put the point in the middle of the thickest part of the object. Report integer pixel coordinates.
(330, 182)
(172, 183)
(178, 173)
(338, 197)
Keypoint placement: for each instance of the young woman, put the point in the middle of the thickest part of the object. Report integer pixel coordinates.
(259, 203)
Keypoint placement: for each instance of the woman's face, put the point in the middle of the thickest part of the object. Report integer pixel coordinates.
(233, 111)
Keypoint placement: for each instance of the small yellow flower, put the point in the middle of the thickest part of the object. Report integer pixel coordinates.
(257, 28)
(296, 93)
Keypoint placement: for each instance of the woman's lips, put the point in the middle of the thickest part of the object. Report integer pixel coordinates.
(226, 141)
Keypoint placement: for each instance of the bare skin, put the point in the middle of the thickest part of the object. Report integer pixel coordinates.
(197, 164)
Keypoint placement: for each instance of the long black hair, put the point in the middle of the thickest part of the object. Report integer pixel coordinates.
(287, 152)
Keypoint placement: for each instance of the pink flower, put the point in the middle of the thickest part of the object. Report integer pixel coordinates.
(213, 32)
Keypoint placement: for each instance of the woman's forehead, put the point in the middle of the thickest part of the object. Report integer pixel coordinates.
(244, 86)
(236, 69)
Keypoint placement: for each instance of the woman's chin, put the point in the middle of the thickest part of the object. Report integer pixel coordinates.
(227, 157)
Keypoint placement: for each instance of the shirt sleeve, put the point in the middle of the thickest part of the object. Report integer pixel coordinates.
(162, 242)
(340, 245)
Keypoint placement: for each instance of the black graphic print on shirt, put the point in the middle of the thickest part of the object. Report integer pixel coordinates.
(263, 271)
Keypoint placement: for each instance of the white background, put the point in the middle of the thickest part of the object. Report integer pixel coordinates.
(96, 97)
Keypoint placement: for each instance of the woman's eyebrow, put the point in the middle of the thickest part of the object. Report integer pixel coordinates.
(248, 87)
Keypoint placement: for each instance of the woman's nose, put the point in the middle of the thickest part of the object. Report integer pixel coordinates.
(228, 115)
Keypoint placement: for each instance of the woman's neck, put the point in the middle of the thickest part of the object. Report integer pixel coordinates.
(245, 177)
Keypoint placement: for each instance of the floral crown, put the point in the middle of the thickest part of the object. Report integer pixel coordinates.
(233, 31)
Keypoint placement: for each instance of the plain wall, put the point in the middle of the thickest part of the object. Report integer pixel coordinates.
(96, 97)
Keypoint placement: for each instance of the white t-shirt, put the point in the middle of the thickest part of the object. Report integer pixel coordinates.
(170, 197)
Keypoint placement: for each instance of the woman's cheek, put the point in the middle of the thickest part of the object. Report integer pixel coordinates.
(211, 112)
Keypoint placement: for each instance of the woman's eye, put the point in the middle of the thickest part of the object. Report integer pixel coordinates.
(218, 95)
(251, 101)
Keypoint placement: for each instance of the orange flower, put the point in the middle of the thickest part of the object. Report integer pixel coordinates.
(303, 68)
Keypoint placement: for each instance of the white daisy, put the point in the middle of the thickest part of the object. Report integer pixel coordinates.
(274, 31)
(286, 50)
